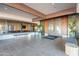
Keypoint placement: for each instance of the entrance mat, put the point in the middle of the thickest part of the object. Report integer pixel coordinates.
(51, 37)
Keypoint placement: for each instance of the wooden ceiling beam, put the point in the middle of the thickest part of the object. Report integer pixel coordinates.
(26, 9)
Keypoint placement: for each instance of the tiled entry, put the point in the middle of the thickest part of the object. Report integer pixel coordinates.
(33, 46)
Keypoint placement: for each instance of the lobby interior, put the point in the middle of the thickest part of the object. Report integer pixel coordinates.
(39, 29)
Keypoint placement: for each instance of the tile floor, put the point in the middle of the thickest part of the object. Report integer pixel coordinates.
(32, 45)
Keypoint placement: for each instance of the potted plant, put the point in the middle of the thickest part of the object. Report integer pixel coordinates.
(72, 27)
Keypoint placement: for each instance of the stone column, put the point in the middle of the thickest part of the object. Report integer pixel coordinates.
(21, 27)
(6, 27)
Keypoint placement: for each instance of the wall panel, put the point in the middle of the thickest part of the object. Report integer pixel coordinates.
(64, 25)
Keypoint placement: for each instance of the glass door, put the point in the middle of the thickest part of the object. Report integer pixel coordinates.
(11, 27)
(50, 27)
(2, 27)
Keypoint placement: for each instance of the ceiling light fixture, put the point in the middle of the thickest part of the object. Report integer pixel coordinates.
(52, 3)
(5, 8)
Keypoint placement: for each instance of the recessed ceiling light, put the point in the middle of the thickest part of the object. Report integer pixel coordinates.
(52, 3)
(5, 8)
